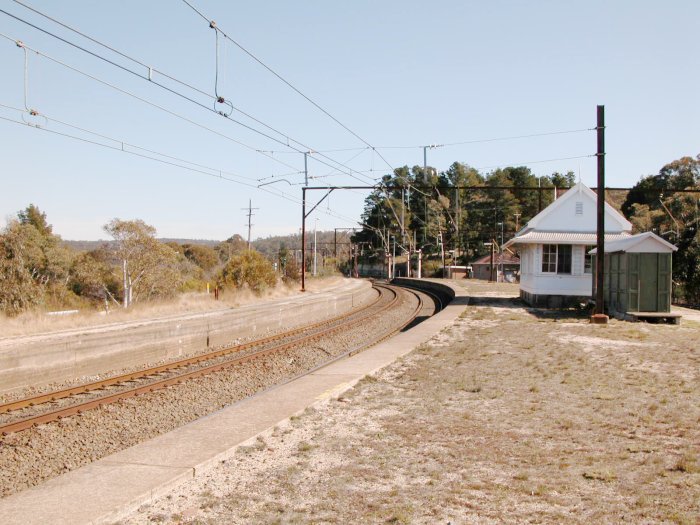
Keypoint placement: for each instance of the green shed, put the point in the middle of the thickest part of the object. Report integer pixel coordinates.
(638, 277)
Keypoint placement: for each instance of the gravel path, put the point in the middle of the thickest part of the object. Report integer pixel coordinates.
(37, 454)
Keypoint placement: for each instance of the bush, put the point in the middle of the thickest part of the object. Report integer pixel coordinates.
(291, 273)
(432, 268)
(249, 269)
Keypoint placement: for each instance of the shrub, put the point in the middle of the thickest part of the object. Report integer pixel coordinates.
(249, 269)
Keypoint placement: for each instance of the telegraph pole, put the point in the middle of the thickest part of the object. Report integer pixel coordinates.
(599, 316)
(249, 209)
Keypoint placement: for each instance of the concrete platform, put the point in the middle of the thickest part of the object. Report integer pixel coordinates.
(70, 354)
(112, 487)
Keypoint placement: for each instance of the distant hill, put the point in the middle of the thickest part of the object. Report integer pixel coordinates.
(268, 246)
(87, 246)
(325, 240)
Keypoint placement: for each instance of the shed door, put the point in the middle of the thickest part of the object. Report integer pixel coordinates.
(633, 281)
(664, 303)
(649, 282)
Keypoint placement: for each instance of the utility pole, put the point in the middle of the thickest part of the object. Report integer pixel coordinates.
(249, 209)
(500, 249)
(315, 224)
(458, 213)
(490, 244)
(306, 168)
(599, 316)
(517, 222)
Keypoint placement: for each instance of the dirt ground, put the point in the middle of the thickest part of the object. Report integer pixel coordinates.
(511, 415)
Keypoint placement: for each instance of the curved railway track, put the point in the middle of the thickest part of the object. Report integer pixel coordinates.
(151, 379)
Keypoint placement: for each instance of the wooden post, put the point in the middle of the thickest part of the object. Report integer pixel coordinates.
(599, 316)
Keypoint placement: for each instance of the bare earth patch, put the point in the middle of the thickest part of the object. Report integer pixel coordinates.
(510, 416)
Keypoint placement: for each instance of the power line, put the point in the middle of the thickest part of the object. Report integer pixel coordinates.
(162, 108)
(122, 146)
(145, 101)
(284, 80)
(150, 69)
(185, 97)
(493, 139)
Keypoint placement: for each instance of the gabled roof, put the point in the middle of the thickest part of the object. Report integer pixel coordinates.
(575, 212)
(506, 258)
(647, 242)
(614, 221)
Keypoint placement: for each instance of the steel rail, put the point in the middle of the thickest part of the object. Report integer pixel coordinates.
(79, 408)
(174, 365)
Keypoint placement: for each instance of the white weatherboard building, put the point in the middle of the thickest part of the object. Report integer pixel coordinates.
(555, 268)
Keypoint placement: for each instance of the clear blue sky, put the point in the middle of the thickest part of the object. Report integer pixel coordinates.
(398, 73)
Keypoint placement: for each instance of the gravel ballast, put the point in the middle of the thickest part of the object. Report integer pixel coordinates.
(37, 454)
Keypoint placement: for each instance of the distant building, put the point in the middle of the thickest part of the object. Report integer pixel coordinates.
(506, 267)
(555, 266)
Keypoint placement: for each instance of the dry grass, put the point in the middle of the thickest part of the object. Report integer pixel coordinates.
(536, 420)
(36, 322)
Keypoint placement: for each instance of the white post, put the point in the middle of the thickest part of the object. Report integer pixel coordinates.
(126, 285)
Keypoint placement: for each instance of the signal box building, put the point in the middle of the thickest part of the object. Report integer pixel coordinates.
(556, 268)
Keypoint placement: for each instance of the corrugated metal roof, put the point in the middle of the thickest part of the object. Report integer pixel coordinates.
(628, 244)
(535, 237)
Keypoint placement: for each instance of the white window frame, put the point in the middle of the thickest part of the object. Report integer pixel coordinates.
(547, 254)
(555, 254)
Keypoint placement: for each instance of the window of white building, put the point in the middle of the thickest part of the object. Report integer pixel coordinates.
(588, 260)
(556, 258)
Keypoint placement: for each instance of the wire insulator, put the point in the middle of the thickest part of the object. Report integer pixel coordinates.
(212, 24)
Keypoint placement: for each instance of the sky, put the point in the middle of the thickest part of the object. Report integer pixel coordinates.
(394, 75)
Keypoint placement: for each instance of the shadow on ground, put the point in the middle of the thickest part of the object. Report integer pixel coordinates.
(515, 303)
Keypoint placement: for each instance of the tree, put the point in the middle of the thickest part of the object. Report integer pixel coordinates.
(148, 268)
(91, 277)
(249, 269)
(203, 256)
(31, 251)
(234, 245)
(676, 175)
(651, 205)
(18, 290)
(32, 215)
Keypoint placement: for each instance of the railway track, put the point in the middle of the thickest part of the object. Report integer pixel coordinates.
(42, 408)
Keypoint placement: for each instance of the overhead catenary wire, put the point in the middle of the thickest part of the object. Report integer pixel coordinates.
(123, 146)
(149, 69)
(285, 81)
(288, 139)
(148, 102)
(281, 78)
